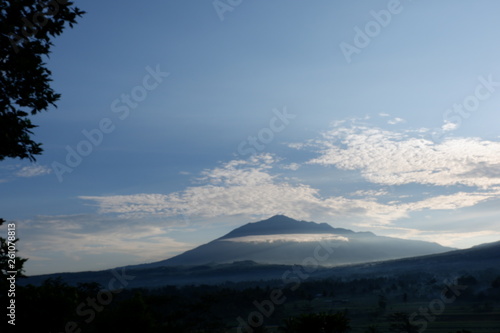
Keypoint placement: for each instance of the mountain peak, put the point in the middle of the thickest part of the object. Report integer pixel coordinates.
(279, 218)
(284, 240)
(281, 224)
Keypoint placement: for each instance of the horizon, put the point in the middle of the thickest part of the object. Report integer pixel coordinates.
(264, 238)
(188, 121)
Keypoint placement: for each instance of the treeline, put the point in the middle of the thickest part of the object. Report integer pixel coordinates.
(56, 306)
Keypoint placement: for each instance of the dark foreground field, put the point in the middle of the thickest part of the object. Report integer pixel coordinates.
(402, 303)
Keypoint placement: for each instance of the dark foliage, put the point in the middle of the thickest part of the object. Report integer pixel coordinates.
(26, 30)
(89, 307)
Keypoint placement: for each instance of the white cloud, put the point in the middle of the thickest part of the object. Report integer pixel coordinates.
(291, 166)
(468, 238)
(396, 121)
(249, 188)
(33, 171)
(369, 193)
(449, 126)
(299, 238)
(82, 236)
(450, 202)
(461, 239)
(244, 188)
(393, 158)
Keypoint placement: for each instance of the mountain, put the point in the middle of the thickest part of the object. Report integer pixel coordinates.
(282, 240)
(481, 258)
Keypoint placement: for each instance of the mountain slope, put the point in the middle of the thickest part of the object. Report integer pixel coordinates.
(453, 263)
(282, 240)
(478, 258)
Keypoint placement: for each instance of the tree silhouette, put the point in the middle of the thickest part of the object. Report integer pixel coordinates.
(26, 30)
(49, 307)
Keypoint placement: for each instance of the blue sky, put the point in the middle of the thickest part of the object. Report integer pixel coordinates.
(185, 120)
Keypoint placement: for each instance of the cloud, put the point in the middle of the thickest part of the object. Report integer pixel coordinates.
(369, 193)
(246, 188)
(83, 236)
(449, 126)
(33, 171)
(299, 238)
(397, 158)
(237, 187)
(483, 170)
(396, 121)
(253, 188)
(291, 166)
(448, 237)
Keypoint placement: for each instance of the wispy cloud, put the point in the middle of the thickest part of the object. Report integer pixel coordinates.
(396, 121)
(449, 126)
(397, 158)
(447, 238)
(254, 188)
(238, 187)
(291, 166)
(33, 171)
(369, 193)
(82, 236)
(279, 238)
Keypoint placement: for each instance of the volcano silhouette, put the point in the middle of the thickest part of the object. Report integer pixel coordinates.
(283, 240)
